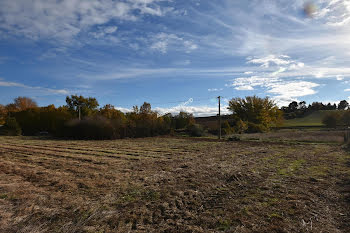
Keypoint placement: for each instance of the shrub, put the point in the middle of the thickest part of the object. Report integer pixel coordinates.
(240, 126)
(183, 120)
(227, 129)
(98, 128)
(256, 128)
(331, 120)
(195, 130)
(234, 138)
(346, 118)
(11, 128)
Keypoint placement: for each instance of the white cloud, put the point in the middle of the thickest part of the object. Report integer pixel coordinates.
(247, 83)
(104, 31)
(339, 77)
(215, 89)
(293, 88)
(335, 13)
(244, 88)
(44, 89)
(129, 73)
(271, 59)
(197, 111)
(162, 41)
(64, 20)
(283, 83)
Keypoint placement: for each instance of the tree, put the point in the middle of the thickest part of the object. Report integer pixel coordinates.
(293, 106)
(259, 111)
(110, 112)
(240, 126)
(227, 129)
(11, 127)
(302, 105)
(145, 108)
(88, 106)
(331, 120)
(3, 114)
(24, 103)
(343, 105)
(317, 106)
(346, 118)
(183, 120)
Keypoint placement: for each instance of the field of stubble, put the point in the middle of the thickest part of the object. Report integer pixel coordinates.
(172, 185)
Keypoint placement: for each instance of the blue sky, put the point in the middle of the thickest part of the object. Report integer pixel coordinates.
(175, 54)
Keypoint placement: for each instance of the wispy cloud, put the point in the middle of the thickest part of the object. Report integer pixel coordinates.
(162, 41)
(44, 89)
(215, 89)
(64, 20)
(271, 59)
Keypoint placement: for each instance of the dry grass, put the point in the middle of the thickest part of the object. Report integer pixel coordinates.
(171, 185)
(294, 135)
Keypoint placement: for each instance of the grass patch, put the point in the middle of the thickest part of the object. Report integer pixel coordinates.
(292, 168)
(319, 171)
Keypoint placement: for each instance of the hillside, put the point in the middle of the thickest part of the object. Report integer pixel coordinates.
(313, 119)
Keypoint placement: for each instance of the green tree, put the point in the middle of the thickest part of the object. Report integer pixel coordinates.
(183, 120)
(259, 111)
(331, 120)
(88, 106)
(110, 112)
(343, 105)
(240, 126)
(227, 129)
(346, 118)
(11, 127)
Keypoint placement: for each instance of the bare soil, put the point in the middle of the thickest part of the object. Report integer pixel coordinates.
(172, 185)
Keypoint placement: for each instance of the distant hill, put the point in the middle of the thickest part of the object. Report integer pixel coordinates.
(312, 119)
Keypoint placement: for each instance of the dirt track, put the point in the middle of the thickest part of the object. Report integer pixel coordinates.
(172, 185)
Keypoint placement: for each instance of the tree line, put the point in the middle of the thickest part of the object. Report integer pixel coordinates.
(296, 110)
(81, 118)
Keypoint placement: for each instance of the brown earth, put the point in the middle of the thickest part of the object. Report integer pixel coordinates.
(172, 185)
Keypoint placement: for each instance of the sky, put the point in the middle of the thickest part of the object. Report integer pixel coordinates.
(178, 55)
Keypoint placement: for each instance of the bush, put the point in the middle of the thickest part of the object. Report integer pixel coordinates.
(195, 130)
(346, 118)
(11, 128)
(331, 120)
(240, 126)
(234, 138)
(256, 128)
(97, 128)
(227, 129)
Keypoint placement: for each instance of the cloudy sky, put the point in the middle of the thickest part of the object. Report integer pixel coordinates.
(175, 54)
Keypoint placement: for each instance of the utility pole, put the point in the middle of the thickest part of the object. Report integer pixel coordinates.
(219, 116)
